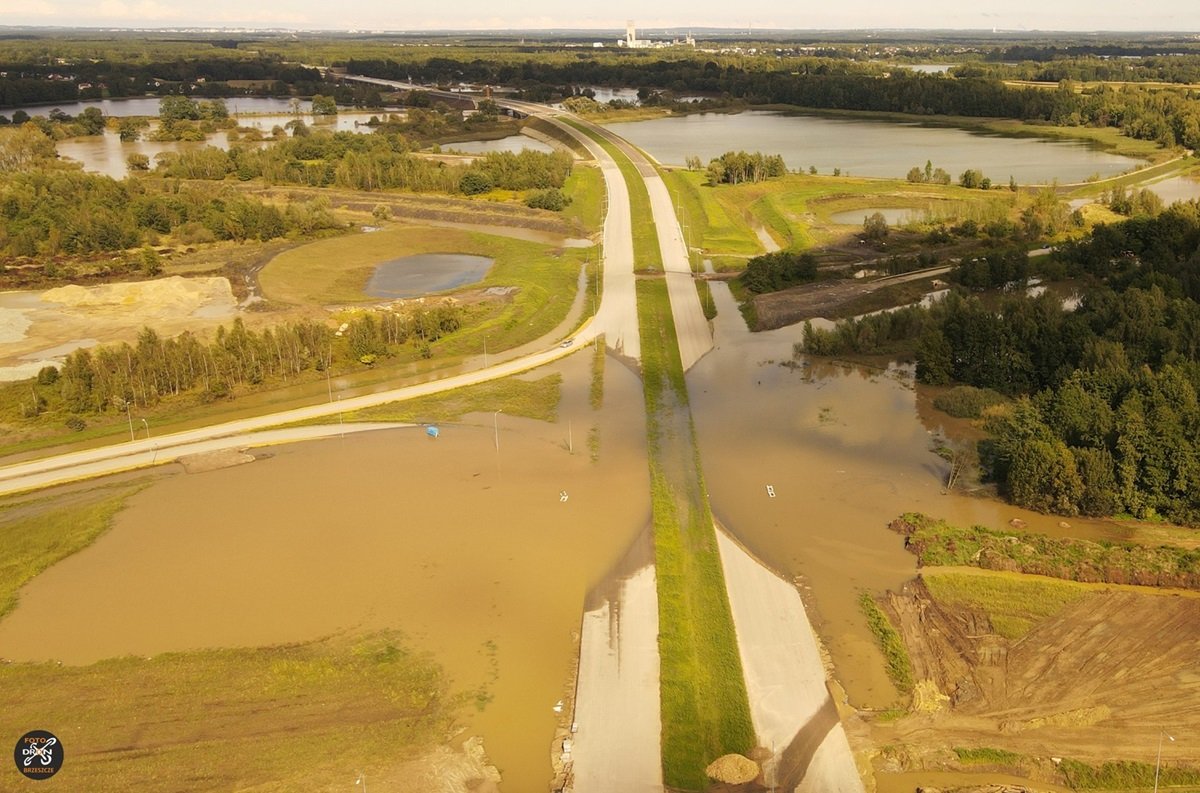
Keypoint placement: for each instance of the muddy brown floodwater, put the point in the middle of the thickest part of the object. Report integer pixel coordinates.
(844, 450)
(469, 550)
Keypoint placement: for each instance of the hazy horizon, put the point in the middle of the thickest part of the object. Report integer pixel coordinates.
(1017, 16)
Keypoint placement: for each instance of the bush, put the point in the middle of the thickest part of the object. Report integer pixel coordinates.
(474, 183)
(551, 199)
(75, 423)
(967, 402)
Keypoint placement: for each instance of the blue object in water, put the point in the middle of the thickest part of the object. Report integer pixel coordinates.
(431, 432)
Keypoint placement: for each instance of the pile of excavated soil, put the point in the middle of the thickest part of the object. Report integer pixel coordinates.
(732, 769)
(174, 296)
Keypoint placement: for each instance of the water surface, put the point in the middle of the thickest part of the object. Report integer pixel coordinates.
(845, 449)
(422, 273)
(863, 147)
(464, 543)
(895, 216)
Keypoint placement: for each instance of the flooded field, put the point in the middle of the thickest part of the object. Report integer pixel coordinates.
(469, 549)
(845, 449)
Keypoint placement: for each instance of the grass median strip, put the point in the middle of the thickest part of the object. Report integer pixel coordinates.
(705, 708)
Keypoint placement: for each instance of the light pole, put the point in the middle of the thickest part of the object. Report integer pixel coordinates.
(146, 424)
(496, 428)
(1158, 762)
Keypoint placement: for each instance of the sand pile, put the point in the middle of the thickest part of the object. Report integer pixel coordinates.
(173, 297)
(732, 769)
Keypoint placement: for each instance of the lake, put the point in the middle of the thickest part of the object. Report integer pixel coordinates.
(863, 147)
(413, 276)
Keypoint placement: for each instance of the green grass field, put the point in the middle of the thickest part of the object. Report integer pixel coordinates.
(336, 271)
(585, 188)
(536, 399)
(1013, 602)
(705, 708)
(280, 719)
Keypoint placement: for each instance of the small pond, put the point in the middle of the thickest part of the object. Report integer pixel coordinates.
(895, 216)
(413, 276)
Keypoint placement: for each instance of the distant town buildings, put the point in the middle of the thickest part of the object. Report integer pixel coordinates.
(632, 42)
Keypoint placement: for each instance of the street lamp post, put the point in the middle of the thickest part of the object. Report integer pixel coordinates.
(1158, 762)
(496, 428)
(146, 424)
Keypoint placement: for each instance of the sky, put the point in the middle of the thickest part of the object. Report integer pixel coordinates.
(1078, 15)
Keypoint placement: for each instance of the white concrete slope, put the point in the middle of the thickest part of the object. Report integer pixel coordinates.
(691, 326)
(618, 725)
(791, 708)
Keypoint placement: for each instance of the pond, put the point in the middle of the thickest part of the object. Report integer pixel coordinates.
(863, 147)
(413, 276)
(895, 216)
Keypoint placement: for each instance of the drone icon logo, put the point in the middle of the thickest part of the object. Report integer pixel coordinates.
(38, 754)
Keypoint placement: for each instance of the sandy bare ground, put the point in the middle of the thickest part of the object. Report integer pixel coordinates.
(618, 725)
(41, 328)
(1094, 682)
(793, 713)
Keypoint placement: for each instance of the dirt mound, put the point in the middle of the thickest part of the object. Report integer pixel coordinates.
(1092, 682)
(732, 769)
(172, 296)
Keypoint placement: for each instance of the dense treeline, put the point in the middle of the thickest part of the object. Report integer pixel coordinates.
(30, 82)
(45, 212)
(46, 209)
(110, 377)
(1107, 417)
(380, 161)
(1167, 116)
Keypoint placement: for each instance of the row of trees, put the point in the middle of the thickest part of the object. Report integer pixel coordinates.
(107, 378)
